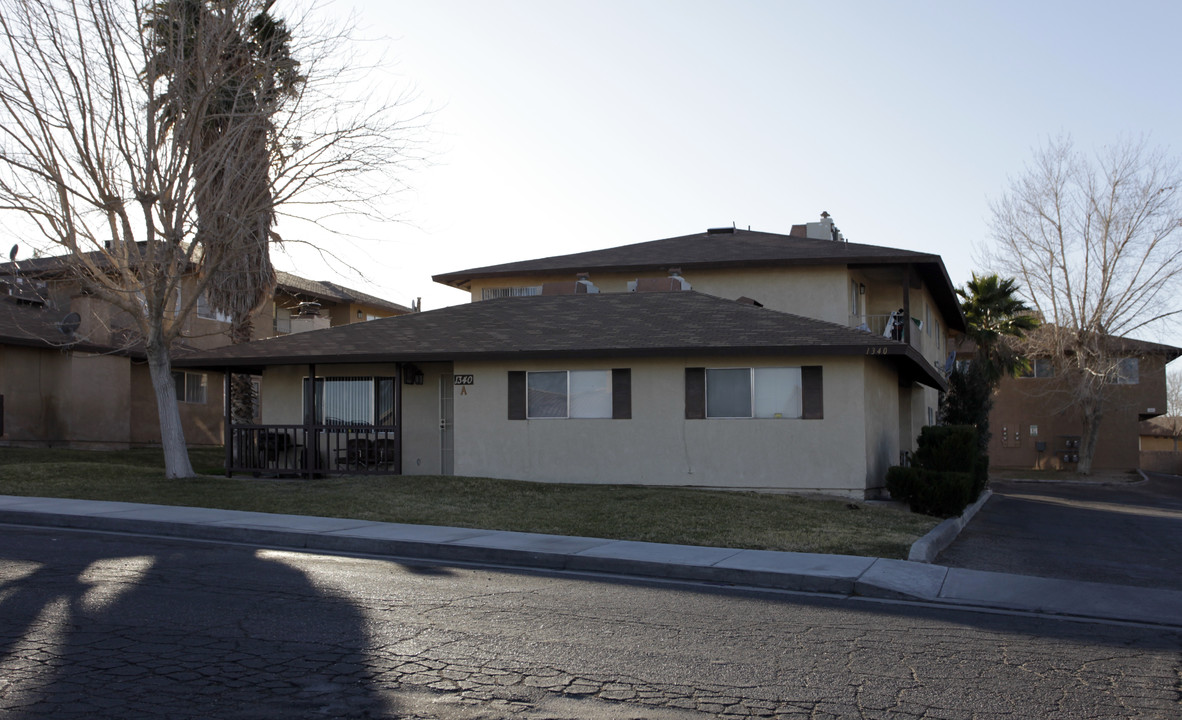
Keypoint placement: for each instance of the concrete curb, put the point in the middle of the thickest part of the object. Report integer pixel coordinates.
(928, 547)
(839, 575)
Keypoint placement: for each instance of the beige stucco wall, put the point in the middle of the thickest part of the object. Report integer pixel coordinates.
(880, 411)
(202, 423)
(658, 446)
(819, 292)
(67, 398)
(914, 401)
(421, 413)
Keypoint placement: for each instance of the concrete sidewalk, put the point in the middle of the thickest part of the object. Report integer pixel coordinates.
(835, 574)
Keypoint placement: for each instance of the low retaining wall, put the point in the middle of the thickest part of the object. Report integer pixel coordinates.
(1161, 461)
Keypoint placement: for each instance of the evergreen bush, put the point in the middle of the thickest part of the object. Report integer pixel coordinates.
(949, 472)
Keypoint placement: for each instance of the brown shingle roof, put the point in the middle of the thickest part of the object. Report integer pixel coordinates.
(596, 325)
(735, 249)
(741, 248)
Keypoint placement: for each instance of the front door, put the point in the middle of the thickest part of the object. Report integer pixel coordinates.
(446, 421)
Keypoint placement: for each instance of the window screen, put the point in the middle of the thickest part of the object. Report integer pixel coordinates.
(546, 394)
(728, 393)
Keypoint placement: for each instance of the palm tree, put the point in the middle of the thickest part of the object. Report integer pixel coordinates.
(995, 316)
(230, 63)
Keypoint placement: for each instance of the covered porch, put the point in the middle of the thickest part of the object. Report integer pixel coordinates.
(338, 419)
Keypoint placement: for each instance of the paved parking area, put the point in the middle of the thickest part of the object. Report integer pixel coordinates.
(1125, 533)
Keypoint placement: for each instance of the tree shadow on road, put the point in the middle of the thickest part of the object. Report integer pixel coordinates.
(108, 632)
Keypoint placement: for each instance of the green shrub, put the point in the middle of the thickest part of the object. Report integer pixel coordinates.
(949, 472)
(947, 447)
(900, 482)
(942, 494)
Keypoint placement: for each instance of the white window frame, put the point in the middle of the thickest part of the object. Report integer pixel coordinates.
(604, 413)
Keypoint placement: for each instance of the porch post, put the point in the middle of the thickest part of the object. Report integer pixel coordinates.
(227, 430)
(398, 418)
(309, 419)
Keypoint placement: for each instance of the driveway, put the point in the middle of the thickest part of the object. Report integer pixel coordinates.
(1126, 533)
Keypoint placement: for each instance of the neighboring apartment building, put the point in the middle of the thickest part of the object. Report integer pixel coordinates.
(72, 374)
(728, 358)
(1034, 423)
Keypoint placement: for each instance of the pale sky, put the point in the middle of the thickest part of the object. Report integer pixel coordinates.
(564, 126)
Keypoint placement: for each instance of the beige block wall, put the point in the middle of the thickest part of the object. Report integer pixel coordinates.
(658, 446)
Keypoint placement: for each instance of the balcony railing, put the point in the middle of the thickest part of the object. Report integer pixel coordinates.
(890, 326)
(311, 450)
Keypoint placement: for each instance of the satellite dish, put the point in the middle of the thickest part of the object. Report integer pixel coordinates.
(950, 362)
(70, 324)
(12, 253)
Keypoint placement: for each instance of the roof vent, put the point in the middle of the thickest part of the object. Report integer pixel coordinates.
(748, 301)
(721, 230)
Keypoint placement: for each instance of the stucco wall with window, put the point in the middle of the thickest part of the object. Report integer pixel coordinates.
(1037, 403)
(282, 403)
(659, 446)
(818, 292)
(201, 421)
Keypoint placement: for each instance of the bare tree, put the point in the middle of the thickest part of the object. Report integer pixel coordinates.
(1095, 244)
(89, 154)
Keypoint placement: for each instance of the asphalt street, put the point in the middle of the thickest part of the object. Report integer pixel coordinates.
(108, 626)
(1124, 533)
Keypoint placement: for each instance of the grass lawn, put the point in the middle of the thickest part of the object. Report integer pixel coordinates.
(626, 512)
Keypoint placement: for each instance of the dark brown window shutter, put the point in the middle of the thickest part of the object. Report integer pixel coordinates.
(812, 398)
(516, 394)
(695, 393)
(621, 394)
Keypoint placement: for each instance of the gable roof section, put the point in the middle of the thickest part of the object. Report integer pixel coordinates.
(58, 265)
(331, 291)
(717, 250)
(572, 326)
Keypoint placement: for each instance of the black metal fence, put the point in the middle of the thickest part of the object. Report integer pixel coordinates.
(314, 450)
